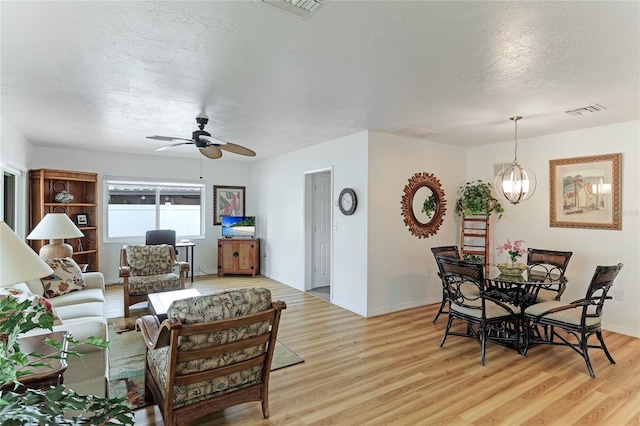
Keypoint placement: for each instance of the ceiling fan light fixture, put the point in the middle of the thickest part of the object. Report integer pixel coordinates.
(516, 183)
(208, 145)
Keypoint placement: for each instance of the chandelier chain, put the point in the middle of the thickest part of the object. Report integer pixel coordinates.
(515, 150)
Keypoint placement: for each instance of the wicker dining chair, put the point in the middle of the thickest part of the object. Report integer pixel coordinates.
(548, 263)
(469, 302)
(444, 251)
(580, 318)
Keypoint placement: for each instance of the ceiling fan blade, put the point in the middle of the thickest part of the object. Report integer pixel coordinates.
(237, 149)
(211, 151)
(167, 138)
(212, 140)
(173, 145)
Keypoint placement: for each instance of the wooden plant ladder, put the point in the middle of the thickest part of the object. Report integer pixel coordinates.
(474, 237)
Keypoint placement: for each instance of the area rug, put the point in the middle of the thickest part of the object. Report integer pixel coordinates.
(126, 361)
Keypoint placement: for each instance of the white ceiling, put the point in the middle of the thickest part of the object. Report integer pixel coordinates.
(103, 75)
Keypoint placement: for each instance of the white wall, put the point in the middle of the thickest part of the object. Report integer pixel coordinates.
(14, 148)
(378, 266)
(402, 272)
(154, 167)
(280, 183)
(591, 247)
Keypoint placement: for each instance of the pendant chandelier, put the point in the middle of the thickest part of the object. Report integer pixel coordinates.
(516, 183)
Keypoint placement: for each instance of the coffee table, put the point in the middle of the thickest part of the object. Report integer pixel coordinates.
(159, 302)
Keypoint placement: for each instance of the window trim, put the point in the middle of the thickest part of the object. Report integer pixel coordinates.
(109, 180)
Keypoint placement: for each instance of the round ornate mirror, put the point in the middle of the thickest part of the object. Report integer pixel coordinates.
(423, 205)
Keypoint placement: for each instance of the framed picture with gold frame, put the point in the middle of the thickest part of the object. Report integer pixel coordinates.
(585, 192)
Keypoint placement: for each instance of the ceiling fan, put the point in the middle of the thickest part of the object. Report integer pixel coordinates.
(208, 145)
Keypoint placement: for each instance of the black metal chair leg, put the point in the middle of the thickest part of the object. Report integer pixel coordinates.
(444, 302)
(604, 347)
(483, 343)
(584, 346)
(446, 331)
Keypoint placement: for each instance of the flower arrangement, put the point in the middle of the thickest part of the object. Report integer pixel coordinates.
(514, 250)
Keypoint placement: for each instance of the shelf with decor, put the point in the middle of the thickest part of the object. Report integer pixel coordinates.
(74, 193)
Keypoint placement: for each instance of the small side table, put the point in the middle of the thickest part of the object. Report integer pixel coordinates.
(42, 377)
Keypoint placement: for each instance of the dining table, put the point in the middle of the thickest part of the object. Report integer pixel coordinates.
(520, 291)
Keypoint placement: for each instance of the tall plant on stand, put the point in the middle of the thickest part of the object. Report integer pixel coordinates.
(476, 199)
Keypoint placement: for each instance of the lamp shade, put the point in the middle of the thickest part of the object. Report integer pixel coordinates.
(55, 226)
(18, 262)
(515, 183)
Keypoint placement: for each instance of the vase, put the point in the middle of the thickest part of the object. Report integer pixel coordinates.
(62, 196)
(513, 269)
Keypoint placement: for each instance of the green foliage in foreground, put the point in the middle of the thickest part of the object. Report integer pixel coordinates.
(57, 405)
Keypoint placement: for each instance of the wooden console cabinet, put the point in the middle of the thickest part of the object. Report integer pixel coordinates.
(44, 184)
(238, 256)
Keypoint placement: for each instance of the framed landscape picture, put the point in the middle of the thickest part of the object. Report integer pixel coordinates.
(82, 219)
(227, 201)
(585, 192)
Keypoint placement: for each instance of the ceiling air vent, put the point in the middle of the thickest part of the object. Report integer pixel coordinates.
(591, 108)
(300, 8)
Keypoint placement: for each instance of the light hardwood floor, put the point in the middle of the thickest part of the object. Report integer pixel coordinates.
(389, 370)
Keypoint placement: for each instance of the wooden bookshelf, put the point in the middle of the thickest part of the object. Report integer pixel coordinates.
(44, 184)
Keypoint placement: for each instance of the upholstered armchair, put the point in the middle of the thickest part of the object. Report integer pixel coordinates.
(212, 352)
(149, 269)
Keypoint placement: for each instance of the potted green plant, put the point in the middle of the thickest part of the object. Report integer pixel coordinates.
(476, 198)
(57, 405)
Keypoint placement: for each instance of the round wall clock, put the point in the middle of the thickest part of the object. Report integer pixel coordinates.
(347, 201)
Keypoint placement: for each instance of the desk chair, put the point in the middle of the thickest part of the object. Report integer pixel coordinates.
(161, 236)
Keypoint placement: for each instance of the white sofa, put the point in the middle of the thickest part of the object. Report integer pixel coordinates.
(82, 313)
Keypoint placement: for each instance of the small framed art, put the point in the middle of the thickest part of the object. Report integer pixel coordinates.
(82, 219)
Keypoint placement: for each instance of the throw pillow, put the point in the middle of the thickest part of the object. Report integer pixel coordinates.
(21, 293)
(66, 277)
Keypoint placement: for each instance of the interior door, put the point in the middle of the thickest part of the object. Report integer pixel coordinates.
(321, 229)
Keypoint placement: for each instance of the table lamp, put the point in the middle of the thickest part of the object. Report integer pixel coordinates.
(18, 262)
(55, 227)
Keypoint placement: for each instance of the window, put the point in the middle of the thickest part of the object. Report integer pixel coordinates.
(12, 203)
(135, 207)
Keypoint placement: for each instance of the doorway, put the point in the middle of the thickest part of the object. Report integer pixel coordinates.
(318, 233)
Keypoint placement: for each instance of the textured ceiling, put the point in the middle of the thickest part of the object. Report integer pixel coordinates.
(103, 75)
